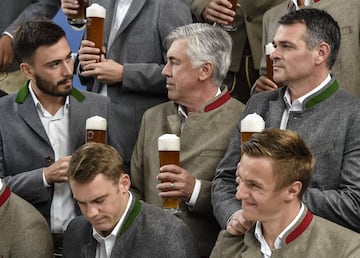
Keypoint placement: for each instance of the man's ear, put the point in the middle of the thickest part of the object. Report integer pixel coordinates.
(124, 182)
(323, 52)
(206, 71)
(293, 190)
(27, 70)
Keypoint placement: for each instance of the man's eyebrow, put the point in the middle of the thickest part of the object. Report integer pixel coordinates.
(58, 60)
(93, 200)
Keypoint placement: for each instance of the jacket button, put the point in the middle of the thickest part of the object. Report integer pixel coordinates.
(249, 18)
(49, 160)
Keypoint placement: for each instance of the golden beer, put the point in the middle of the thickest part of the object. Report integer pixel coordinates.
(269, 48)
(169, 153)
(95, 136)
(245, 136)
(96, 129)
(165, 158)
(95, 15)
(252, 123)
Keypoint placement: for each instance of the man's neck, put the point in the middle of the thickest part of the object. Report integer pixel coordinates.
(301, 87)
(272, 229)
(200, 99)
(50, 103)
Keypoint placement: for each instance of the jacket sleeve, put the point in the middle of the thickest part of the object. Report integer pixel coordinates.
(224, 184)
(39, 8)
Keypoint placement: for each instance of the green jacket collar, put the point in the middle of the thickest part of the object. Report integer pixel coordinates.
(24, 92)
(321, 95)
(131, 216)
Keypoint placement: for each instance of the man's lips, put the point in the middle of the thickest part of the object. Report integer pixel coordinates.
(245, 203)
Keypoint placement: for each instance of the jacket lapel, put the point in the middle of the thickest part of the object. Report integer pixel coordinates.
(76, 139)
(132, 13)
(89, 250)
(28, 112)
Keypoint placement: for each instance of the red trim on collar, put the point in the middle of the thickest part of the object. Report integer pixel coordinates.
(5, 195)
(315, 1)
(301, 228)
(217, 103)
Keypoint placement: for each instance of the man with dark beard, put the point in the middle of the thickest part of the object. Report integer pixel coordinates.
(44, 123)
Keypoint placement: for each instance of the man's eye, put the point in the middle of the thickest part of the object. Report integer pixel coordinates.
(54, 64)
(99, 201)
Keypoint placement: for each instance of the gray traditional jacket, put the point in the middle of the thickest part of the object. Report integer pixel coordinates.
(330, 125)
(147, 231)
(25, 148)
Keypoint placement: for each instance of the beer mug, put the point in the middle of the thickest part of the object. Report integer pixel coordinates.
(169, 153)
(96, 129)
(252, 123)
(269, 48)
(95, 15)
(231, 26)
(78, 20)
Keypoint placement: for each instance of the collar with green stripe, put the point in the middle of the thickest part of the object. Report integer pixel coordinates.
(321, 95)
(131, 216)
(24, 93)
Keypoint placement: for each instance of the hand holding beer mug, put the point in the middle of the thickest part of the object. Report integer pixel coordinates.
(231, 26)
(96, 129)
(169, 153)
(78, 20)
(252, 123)
(95, 15)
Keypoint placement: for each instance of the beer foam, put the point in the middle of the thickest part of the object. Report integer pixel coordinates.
(252, 123)
(96, 123)
(169, 142)
(96, 10)
(269, 48)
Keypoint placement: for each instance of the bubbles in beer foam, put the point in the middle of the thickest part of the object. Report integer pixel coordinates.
(95, 10)
(167, 142)
(252, 123)
(96, 123)
(269, 48)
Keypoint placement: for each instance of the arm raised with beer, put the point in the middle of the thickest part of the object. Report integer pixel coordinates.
(94, 64)
(70, 7)
(177, 182)
(219, 11)
(264, 84)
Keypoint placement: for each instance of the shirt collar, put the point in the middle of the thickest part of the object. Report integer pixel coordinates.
(38, 103)
(4, 192)
(265, 249)
(116, 229)
(183, 112)
(297, 105)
